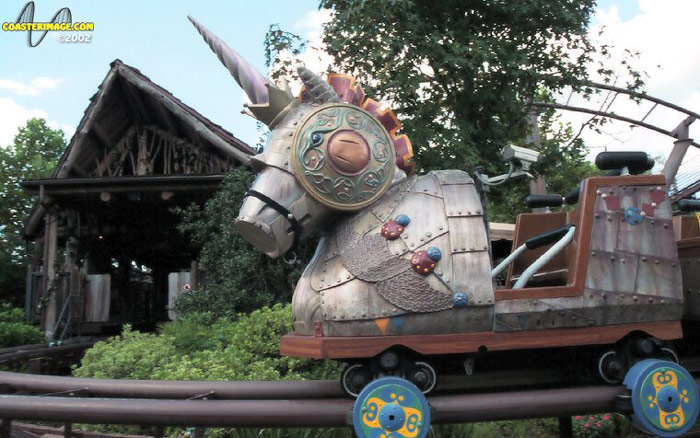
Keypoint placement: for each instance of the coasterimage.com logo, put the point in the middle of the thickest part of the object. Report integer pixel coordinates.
(62, 21)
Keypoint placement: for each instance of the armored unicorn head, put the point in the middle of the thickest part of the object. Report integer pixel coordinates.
(329, 150)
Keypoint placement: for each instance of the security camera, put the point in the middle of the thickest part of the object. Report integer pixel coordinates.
(524, 156)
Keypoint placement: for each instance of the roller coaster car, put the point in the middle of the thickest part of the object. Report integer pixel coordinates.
(403, 273)
(604, 272)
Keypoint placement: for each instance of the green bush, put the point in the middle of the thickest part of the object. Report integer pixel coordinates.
(201, 346)
(15, 330)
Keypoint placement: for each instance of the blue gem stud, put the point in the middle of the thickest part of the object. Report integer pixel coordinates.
(434, 253)
(460, 300)
(403, 220)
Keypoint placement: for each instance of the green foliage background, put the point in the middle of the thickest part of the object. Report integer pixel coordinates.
(33, 154)
(238, 277)
(15, 330)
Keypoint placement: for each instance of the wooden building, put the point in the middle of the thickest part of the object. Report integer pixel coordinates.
(110, 252)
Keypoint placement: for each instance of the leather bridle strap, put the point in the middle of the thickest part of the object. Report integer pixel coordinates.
(296, 226)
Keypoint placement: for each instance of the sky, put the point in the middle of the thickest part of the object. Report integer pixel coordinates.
(55, 80)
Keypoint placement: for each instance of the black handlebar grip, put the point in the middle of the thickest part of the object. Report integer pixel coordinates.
(688, 205)
(548, 237)
(538, 201)
(636, 162)
(572, 197)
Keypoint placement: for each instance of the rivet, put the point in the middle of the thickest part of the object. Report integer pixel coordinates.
(635, 298)
(663, 301)
(395, 310)
(656, 262)
(610, 218)
(605, 296)
(644, 259)
(642, 214)
(464, 248)
(441, 228)
(623, 261)
(652, 221)
(659, 188)
(604, 196)
(428, 234)
(471, 248)
(665, 225)
(469, 212)
(653, 205)
(405, 236)
(596, 215)
(598, 192)
(412, 245)
(612, 257)
(383, 312)
(673, 265)
(421, 239)
(593, 254)
(651, 300)
(347, 277)
(478, 212)
(611, 191)
(459, 212)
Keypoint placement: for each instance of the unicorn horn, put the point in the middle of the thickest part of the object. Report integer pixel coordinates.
(247, 76)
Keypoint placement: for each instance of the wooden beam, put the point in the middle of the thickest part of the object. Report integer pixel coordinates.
(200, 128)
(139, 111)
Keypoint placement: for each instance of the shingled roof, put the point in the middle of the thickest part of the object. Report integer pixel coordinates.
(127, 97)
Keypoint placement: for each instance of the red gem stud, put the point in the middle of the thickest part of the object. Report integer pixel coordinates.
(391, 230)
(422, 263)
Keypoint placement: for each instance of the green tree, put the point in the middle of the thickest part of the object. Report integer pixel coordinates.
(459, 72)
(239, 278)
(33, 154)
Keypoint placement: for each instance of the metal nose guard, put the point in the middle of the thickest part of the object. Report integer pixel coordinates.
(296, 226)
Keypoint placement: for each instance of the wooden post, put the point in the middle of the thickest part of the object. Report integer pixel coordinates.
(566, 427)
(193, 274)
(537, 186)
(6, 428)
(50, 249)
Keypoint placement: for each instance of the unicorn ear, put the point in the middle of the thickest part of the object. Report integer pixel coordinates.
(318, 90)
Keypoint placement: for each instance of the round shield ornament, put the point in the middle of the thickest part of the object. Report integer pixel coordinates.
(343, 156)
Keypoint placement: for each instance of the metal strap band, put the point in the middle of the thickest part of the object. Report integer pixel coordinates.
(296, 226)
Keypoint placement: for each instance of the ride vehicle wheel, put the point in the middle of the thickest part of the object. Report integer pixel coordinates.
(354, 377)
(423, 375)
(611, 367)
(664, 397)
(392, 407)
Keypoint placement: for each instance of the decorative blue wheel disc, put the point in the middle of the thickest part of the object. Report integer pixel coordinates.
(390, 407)
(665, 399)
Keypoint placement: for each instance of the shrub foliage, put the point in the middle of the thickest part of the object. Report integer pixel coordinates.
(15, 330)
(201, 346)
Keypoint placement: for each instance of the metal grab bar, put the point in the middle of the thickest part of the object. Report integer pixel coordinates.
(545, 258)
